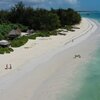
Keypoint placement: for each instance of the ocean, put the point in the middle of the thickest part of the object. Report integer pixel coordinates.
(90, 89)
(93, 15)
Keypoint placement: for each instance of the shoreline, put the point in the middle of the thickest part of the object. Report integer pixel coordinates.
(47, 76)
(38, 47)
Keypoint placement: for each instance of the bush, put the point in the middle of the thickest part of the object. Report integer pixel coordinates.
(2, 51)
(68, 27)
(53, 32)
(5, 50)
(32, 37)
(22, 27)
(19, 41)
(42, 34)
(11, 49)
(4, 30)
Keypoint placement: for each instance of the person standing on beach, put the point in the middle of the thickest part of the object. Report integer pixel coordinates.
(10, 66)
(6, 66)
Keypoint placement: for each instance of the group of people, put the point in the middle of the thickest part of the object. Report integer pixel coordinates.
(8, 66)
(77, 56)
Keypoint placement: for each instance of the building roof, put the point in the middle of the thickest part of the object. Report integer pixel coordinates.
(16, 32)
(4, 42)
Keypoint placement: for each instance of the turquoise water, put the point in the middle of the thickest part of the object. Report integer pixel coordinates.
(90, 90)
(91, 86)
(94, 15)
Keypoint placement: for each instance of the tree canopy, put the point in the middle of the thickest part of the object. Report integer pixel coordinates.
(39, 19)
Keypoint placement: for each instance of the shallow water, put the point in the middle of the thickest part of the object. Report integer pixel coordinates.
(91, 87)
(94, 15)
(89, 78)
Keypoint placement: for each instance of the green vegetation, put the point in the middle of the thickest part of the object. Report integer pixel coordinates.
(19, 41)
(6, 28)
(68, 27)
(43, 21)
(42, 34)
(5, 50)
(45, 33)
(40, 19)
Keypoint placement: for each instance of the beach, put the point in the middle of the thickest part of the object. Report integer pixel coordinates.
(44, 68)
(35, 49)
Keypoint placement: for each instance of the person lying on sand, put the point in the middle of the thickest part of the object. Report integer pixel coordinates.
(79, 56)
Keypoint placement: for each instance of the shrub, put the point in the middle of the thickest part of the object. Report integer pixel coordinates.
(22, 27)
(19, 41)
(32, 37)
(11, 49)
(42, 34)
(68, 27)
(4, 30)
(1, 50)
(5, 50)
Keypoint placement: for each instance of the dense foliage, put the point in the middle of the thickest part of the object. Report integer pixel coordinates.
(43, 21)
(40, 19)
(67, 17)
(6, 28)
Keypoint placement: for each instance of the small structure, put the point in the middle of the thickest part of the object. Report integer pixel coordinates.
(4, 43)
(30, 31)
(14, 33)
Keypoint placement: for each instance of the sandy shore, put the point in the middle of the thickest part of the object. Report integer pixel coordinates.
(47, 68)
(34, 49)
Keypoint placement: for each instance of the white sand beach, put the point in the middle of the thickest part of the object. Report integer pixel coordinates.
(43, 68)
(34, 49)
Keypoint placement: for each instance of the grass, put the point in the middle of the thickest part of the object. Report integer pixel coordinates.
(19, 41)
(5, 50)
(42, 34)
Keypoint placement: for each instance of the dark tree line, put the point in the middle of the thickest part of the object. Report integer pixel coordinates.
(39, 19)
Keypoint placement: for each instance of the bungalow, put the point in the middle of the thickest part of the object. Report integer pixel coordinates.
(4, 43)
(14, 33)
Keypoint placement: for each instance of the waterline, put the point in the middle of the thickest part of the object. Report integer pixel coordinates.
(87, 84)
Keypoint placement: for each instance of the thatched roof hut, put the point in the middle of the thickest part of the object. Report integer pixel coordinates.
(4, 43)
(30, 31)
(14, 33)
